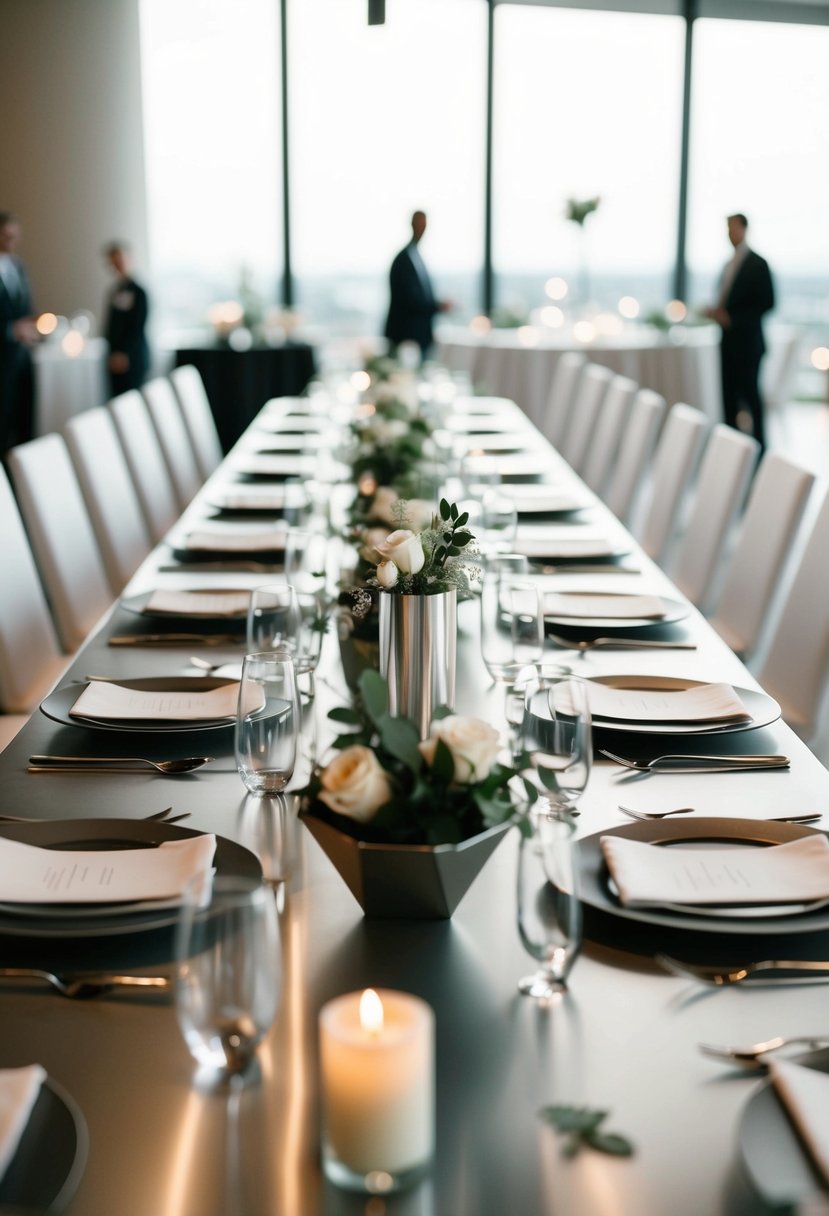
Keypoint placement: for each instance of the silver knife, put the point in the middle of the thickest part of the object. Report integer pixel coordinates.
(174, 639)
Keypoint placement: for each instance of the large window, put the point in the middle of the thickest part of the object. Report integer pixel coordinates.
(760, 145)
(212, 131)
(587, 104)
(385, 120)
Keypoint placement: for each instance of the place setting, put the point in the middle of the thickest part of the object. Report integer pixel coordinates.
(203, 544)
(44, 1142)
(146, 704)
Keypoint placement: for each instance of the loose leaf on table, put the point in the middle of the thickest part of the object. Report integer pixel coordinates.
(581, 1126)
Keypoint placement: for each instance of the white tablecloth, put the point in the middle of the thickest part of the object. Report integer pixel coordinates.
(520, 363)
(65, 385)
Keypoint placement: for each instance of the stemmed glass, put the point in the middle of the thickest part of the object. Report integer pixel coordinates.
(556, 733)
(312, 625)
(306, 558)
(267, 722)
(549, 913)
(499, 521)
(228, 975)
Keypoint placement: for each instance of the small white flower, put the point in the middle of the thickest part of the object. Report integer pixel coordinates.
(355, 784)
(403, 548)
(387, 574)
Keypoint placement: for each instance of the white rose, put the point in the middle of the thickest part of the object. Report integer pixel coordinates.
(387, 574)
(354, 784)
(404, 549)
(384, 503)
(474, 746)
(372, 537)
(419, 513)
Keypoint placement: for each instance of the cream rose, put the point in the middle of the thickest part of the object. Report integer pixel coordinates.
(387, 574)
(354, 784)
(404, 549)
(474, 746)
(419, 513)
(372, 537)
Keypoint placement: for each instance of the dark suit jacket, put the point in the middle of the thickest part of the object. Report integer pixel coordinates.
(412, 305)
(750, 295)
(15, 360)
(126, 317)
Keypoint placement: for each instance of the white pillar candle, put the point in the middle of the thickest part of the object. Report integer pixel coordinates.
(378, 1082)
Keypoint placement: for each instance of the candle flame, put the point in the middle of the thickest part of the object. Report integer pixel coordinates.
(371, 1012)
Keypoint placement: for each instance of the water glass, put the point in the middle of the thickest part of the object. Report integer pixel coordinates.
(273, 618)
(227, 975)
(512, 618)
(549, 912)
(267, 722)
(306, 557)
(499, 522)
(556, 733)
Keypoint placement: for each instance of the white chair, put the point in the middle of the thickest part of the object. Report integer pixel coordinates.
(610, 425)
(761, 552)
(145, 462)
(562, 391)
(109, 492)
(592, 388)
(61, 536)
(724, 477)
(198, 418)
(673, 464)
(638, 442)
(30, 658)
(795, 668)
(176, 447)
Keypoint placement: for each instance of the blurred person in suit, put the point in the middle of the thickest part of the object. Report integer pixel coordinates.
(18, 334)
(413, 304)
(746, 294)
(126, 319)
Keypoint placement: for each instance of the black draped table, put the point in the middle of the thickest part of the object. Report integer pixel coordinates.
(624, 1039)
(239, 382)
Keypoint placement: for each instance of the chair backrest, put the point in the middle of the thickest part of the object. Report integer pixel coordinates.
(763, 546)
(198, 417)
(109, 493)
(145, 462)
(795, 668)
(562, 392)
(30, 658)
(168, 421)
(638, 442)
(61, 536)
(673, 464)
(724, 476)
(610, 425)
(593, 385)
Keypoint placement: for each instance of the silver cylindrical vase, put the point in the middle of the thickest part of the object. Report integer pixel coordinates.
(418, 641)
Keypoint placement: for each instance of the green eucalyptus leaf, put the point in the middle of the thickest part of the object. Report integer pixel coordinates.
(443, 764)
(442, 711)
(462, 519)
(610, 1142)
(572, 1118)
(375, 694)
(344, 713)
(399, 737)
(444, 509)
(453, 511)
(549, 777)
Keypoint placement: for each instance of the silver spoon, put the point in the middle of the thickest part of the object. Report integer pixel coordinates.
(755, 1055)
(116, 764)
(84, 986)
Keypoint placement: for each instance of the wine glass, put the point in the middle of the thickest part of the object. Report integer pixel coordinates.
(312, 625)
(273, 617)
(227, 974)
(556, 734)
(549, 912)
(306, 557)
(512, 618)
(267, 722)
(499, 521)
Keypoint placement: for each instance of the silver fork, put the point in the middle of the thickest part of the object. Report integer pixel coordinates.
(685, 810)
(722, 976)
(693, 763)
(755, 1056)
(84, 985)
(618, 644)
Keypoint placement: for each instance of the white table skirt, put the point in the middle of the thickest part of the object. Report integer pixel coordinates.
(67, 385)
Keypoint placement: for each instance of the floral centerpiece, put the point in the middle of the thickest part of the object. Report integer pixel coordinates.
(410, 822)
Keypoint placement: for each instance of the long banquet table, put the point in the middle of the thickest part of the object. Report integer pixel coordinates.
(624, 1039)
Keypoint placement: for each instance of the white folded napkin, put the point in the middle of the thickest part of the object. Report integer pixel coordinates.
(525, 464)
(547, 544)
(294, 441)
(545, 498)
(274, 466)
(647, 874)
(804, 1093)
(702, 703)
(253, 498)
(106, 701)
(261, 541)
(32, 875)
(505, 442)
(482, 405)
(610, 607)
(467, 423)
(198, 603)
(19, 1089)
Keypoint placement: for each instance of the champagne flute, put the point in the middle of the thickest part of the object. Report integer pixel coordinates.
(549, 912)
(267, 722)
(227, 974)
